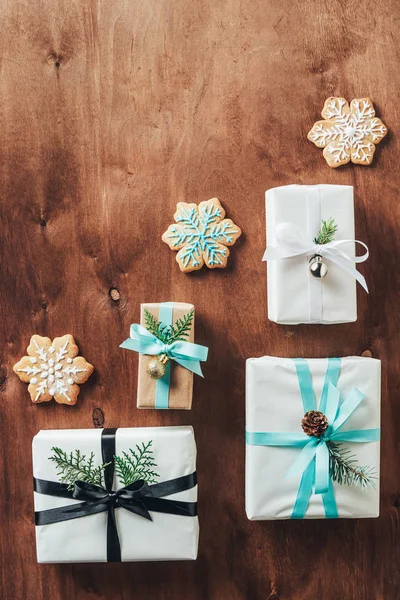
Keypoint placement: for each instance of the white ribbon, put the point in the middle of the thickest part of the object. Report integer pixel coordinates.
(291, 241)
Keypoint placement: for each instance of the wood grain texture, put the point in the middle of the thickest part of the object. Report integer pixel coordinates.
(113, 111)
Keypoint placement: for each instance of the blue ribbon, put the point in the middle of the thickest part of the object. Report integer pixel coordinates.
(186, 354)
(312, 463)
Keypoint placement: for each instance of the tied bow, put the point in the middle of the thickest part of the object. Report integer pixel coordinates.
(315, 451)
(290, 242)
(185, 354)
(138, 498)
(130, 497)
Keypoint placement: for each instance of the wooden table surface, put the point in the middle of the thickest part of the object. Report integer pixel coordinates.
(111, 112)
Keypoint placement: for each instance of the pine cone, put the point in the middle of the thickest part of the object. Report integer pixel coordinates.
(314, 423)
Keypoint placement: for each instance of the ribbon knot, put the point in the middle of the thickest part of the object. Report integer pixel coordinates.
(186, 354)
(291, 242)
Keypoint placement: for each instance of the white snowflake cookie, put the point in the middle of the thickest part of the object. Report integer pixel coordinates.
(53, 369)
(201, 235)
(348, 133)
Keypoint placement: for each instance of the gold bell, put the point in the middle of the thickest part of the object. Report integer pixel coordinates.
(157, 366)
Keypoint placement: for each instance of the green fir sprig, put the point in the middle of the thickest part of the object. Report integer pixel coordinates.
(343, 468)
(76, 466)
(131, 466)
(136, 464)
(169, 333)
(327, 232)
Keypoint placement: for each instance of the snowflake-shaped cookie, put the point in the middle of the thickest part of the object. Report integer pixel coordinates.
(201, 235)
(348, 133)
(53, 369)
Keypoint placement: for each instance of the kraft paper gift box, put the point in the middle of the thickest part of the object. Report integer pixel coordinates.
(294, 214)
(171, 503)
(175, 388)
(279, 483)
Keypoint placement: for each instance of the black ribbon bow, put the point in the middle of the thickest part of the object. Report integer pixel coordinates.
(138, 497)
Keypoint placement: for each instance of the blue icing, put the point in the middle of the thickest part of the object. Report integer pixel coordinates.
(202, 232)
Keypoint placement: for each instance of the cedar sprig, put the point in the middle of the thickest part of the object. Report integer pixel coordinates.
(343, 468)
(168, 333)
(136, 464)
(327, 232)
(76, 466)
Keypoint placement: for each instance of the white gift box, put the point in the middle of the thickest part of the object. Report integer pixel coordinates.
(274, 404)
(294, 296)
(84, 539)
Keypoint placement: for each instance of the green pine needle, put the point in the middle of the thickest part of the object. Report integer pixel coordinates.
(131, 466)
(327, 232)
(136, 464)
(344, 470)
(75, 466)
(168, 333)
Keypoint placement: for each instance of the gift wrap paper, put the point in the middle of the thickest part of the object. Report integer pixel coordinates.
(273, 403)
(289, 279)
(166, 537)
(181, 379)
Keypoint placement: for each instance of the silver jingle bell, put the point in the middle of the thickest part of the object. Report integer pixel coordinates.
(156, 368)
(318, 268)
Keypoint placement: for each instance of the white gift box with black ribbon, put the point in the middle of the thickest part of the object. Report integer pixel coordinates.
(110, 523)
(294, 216)
(276, 477)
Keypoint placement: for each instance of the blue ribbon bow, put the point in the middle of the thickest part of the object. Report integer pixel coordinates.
(186, 354)
(312, 464)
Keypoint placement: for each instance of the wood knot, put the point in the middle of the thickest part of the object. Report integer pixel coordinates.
(367, 353)
(55, 59)
(42, 223)
(98, 417)
(115, 295)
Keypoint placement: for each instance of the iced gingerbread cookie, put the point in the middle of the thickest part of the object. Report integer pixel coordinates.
(53, 369)
(348, 133)
(201, 235)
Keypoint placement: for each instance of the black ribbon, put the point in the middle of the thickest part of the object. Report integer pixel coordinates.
(138, 497)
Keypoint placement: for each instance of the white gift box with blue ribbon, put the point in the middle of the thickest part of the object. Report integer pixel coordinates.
(287, 471)
(294, 215)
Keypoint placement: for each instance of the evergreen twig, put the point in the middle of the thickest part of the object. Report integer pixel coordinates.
(75, 466)
(167, 333)
(327, 232)
(137, 464)
(344, 469)
(182, 327)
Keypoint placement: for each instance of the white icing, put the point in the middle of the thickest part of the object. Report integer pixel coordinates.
(55, 376)
(62, 352)
(348, 131)
(30, 370)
